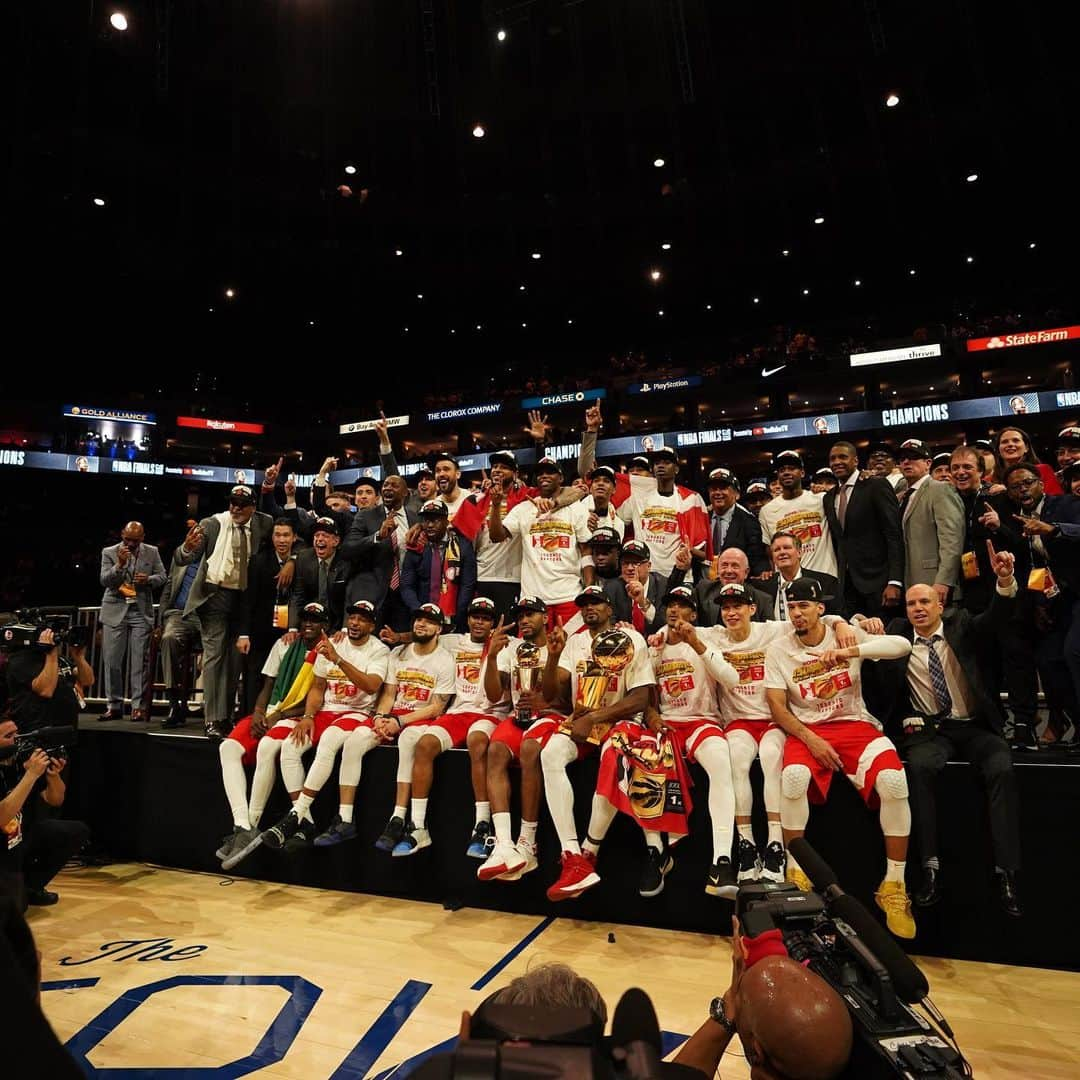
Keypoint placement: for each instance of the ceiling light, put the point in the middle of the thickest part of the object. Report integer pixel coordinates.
(858, 282)
(819, 220)
(665, 247)
(785, 252)
(350, 169)
(659, 163)
(911, 273)
(452, 330)
(569, 322)
(536, 254)
(398, 252)
(1032, 245)
(98, 201)
(708, 307)
(660, 313)
(311, 322)
(655, 275)
(500, 35)
(230, 293)
(419, 296)
(479, 327)
(757, 299)
(406, 328)
(970, 259)
(118, 20)
(479, 131)
(524, 325)
(806, 292)
(972, 177)
(521, 288)
(892, 99)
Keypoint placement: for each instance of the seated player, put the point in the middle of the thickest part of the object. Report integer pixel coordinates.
(502, 678)
(815, 694)
(626, 696)
(470, 720)
(419, 686)
(258, 738)
(348, 676)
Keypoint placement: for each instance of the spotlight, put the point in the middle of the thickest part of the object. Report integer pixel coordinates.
(757, 299)
(785, 253)
(655, 275)
(658, 163)
(479, 131)
(858, 282)
(536, 255)
(970, 259)
(911, 273)
(660, 313)
(569, 322)
(524, 325)
(819, 220)
(118, 20)
(500, 35)
(708, 307)
(230, 293)
(1031, 246)
(892, 99)
(665, 247)
(806, 292)
(479, 327)
(972, 177)
(406, 329)
(419, 296)
(521, 288)
(350, 169)
(452, 330)
(398, 252)
(98, 201)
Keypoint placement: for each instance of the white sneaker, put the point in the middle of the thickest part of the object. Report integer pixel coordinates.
(411, 843)
(504, 859)
(527, 852)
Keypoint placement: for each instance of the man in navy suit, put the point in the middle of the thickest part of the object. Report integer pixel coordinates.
(130, 572)
(446, 563)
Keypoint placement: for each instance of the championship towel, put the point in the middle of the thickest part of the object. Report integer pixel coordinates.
(643, 775)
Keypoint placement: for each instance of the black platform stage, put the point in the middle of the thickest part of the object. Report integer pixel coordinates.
(156, 797)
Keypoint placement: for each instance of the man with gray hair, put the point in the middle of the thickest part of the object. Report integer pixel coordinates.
(554, 986)
(732, 568)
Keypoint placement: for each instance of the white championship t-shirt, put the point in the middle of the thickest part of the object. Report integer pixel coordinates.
(746, 699)
(469, 658)
(655, 519)
(805, 518)
(342, 695)
(576, 656)
(550, 556)
(419, 677)
(507, 663)
(686, 682)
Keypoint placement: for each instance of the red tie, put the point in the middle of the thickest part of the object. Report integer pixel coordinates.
(395, 570)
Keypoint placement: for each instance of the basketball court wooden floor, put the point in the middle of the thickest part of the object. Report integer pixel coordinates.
(148, 969)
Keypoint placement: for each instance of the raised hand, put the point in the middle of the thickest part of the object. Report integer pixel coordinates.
(290, 487)
(538, 425)
(1003, 563)
(500, 637)
(271, 474)
(556, 639)
(193, 538)
(593, 419)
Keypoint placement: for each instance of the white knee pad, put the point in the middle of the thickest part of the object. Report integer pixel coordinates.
(795, 781)
(330, 743)
(267, 749)
(743, 750)
(890, 784)
(230, 750)
(560, 751)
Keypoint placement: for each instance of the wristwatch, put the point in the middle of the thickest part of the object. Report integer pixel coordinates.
(716, 1012)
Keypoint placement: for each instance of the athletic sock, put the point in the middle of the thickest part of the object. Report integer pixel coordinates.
(776, 833)
(503, 824)
(401, 812)
(894, 871)
(528, 832)
(419, 812)
(483, 812)
(302, 806)
(345, 811)
(746, 831)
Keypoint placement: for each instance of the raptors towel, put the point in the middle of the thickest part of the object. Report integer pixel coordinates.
(643, 775)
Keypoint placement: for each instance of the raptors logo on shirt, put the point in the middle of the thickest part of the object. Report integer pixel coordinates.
(413, 687)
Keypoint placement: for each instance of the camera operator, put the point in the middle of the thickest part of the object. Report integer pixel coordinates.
(45, 687)
(33, 845)
(791, 1023)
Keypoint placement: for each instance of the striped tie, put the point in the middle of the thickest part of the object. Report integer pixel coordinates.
(937, 673)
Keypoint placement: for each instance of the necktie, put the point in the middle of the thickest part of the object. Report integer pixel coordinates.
(781, 599)
(436, 573)
(395, 569)
(841, 507)
(322, 582)
(905, 502)
(937, 673)
(243, 556)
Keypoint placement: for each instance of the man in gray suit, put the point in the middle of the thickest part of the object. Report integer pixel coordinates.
(933, 523)
(223, 544)
(130, 572)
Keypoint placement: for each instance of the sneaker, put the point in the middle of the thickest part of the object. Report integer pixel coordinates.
(1023, 738)
(527, 851)
(749, 862)
(796, 877)
(228, 842)
(657, 866)
(721, 880)
(245, 844)
(411, 843)
(773, 863)
(337, 832)
(483, 840)
(504, 859)
(301, 839)
(892, 898)
(578, 874)
(391, 835)
(276, 836)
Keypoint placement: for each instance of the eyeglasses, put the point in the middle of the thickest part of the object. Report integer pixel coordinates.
(1015, 485)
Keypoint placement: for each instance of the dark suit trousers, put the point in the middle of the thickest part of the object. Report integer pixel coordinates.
(860, 603)
(504, 593)
(989, 754)
(396, 613)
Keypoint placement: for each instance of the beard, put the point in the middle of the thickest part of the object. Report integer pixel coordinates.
(422, 637)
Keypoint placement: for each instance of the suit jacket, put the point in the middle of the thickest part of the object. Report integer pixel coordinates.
(707, 592)
(390, 468)
(829, 586)
(1062, 551)
(744, 533)
(257, 615)
(621, 607)
(870, 546)
(261, 526)
(416, 579)
(305, 587)
(303, 520)
(933, 536)
(146, 561)
(889, 695)
(370, 559)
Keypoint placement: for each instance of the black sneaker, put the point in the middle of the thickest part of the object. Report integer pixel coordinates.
(276, 836)
(300, 840)
(658, 865)
(773, 862)
(749, 862)
(482, 842)
(721, 879)
(1023, 738)
(391, 835)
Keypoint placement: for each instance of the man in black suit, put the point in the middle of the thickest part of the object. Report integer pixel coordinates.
(636, 595)
(445, 564)
(264, 615)
(320, 576)
(732, 568)
(786, 551)
(864, 522)
(937, 707)
(375, 548)
(731, 525)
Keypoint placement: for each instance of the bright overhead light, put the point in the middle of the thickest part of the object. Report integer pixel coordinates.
(350, 169)
(892, 100)
(452, 330)
(708, 307)
(406, 329)
(500, 35)
(665, 247)
(398, 251)
(806, 292)
(970, 259)
(972, 177)
(659, 163)
(230, 293)
(660, 313)
(785, 252)
(479, 327)
(98, 201)
(819, 220)
(479, 131)
(757, 299)
(1031, 246)
(536, 254)
(569, 322)
(911, 273)
(521, 288)
(655, 275)
(523, 325)
(311, 322)
(419, 296)
(858, 282)
(118, 20)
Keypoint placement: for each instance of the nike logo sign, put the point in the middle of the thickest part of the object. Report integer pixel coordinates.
(766, 372)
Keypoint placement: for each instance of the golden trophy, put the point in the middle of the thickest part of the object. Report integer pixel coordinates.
(528, 676)
(612, 653)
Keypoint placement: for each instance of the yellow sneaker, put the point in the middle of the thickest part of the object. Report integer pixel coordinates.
(892, 898)
(797, 878)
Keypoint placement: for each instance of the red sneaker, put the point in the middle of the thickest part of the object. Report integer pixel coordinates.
(578, 874)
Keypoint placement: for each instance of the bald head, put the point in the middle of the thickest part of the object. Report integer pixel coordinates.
(796, 1025)
(133, 531)
(732, 566)
(923, 607)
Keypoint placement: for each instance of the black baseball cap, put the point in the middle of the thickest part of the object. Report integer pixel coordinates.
(606, 471)
(824, 473)
(665, 452)
(429, 611)
(530, 603)
(314, 613)
(548, 465)
(424, 470)
(738, 592)
(758, 488)
(639, 461)
(242, 495)
(806, 588)
(881, 448)
(504, 457)
(636, 549)
(682, 594)
(434, 508)
(913, 448)
(326, 525)
(592, 594)
(605, 536)
(482, 605)
(1069, 436)
(367, 481)
(723, 478)
(941, 459)
(787, 457)
(444, 457)
(1070, 470)
(362, 607)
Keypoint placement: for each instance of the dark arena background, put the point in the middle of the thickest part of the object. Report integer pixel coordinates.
(239, 233)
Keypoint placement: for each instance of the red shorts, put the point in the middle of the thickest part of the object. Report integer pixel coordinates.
(863, 750)
(350, 721)
(688, 733)
(241, 733)
(547, 726)
(755, 728)
(457, 725)
(566, 611)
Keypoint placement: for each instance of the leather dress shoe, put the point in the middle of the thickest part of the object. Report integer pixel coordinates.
(929, 891)
(215, 729)
(41, 897)
(110, 714)
(1010, 897)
